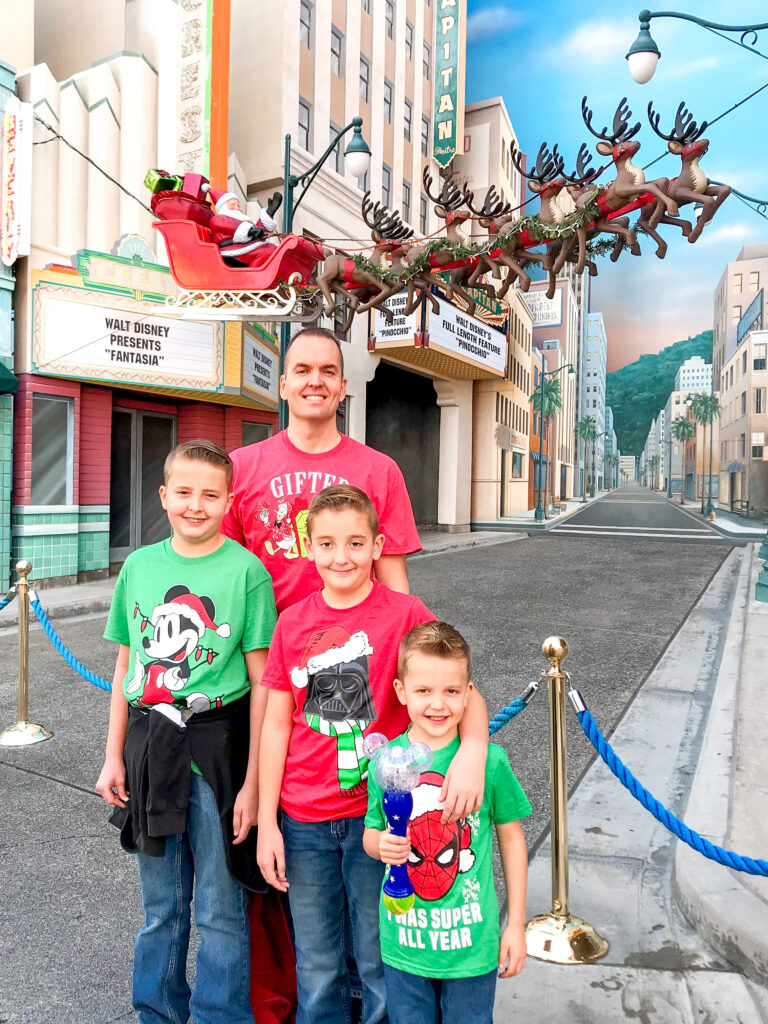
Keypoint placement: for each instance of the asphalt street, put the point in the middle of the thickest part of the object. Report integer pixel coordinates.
(635, 511)
(70, 902)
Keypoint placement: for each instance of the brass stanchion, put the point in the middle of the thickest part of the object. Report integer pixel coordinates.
(559, 936)
(23, 733)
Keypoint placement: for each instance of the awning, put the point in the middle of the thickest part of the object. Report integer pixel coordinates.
(537, 458)
(9, 383)
(735, 467)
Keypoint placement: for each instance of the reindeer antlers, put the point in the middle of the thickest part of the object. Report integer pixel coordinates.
(621, 130)
(385, 223)
(547, 167)
(493, 206)
(685, 131)
(583, 173)
(450, 197)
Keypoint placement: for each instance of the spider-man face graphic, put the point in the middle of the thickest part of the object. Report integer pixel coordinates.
(438, 852)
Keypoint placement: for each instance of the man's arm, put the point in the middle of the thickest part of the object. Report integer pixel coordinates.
(247, 801)
(392, 572)
(273, 750)
(462, 791)
(514, 861)
(111, 781)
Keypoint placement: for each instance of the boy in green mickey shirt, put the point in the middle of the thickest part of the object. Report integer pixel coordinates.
(442, 958)
(193, 616)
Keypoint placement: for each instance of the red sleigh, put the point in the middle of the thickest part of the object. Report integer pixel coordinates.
(206, 282)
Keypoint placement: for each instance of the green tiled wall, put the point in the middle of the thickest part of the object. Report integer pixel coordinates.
(92, 551)
(64, 554)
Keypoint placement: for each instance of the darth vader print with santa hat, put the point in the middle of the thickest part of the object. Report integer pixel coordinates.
(240, 237)
(176, 646)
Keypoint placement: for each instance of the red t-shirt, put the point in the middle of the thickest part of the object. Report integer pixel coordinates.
(274, 483)
(340, 665)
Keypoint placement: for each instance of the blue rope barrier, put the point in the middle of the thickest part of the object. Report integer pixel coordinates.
(8, 598)
(63, 650)
(512, 710)
(726, 857)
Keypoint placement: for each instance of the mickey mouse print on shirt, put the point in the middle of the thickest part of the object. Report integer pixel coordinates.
(175, 648)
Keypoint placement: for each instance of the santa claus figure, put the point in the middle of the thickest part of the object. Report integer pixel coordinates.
(240, 237)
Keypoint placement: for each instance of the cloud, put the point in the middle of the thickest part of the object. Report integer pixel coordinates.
(491, 21)
(593, 43)
(691, 67)
(728, 233)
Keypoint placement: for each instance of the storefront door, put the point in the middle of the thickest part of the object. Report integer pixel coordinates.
(140, 442)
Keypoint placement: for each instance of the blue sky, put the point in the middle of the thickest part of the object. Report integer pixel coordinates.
(543, 57)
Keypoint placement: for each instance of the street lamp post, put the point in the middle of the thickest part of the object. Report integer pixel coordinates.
(539, 515)
(358, 157)
(709, 510)
(644, 54)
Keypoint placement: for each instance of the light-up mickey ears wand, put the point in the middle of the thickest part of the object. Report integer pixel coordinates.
(397, 771)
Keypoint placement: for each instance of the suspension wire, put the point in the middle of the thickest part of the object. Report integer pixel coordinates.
(728, 39)
(91, 162)
(713, 121)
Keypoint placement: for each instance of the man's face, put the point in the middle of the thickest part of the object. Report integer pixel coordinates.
(312, 383)
(233, 204)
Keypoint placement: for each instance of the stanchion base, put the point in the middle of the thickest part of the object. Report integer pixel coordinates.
(563, 940)
(23, 734)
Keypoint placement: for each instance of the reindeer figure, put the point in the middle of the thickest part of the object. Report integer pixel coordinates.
(691, 185)
(581, 189)
(629, 182)
(496, 217)
(340, 271)
(388, 232)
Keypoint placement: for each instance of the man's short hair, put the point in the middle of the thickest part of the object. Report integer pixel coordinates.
(316, 332)
(339, 497)
(437, 639)
(200, 451)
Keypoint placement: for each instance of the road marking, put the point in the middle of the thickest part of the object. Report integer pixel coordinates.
(692, 535)
(612, 526)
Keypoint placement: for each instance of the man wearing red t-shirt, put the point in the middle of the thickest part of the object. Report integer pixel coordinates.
(275, 480)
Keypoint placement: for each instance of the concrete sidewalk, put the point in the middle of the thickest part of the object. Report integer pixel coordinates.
(726, 523)
(95, 596)
(626, 869)
(526, 521)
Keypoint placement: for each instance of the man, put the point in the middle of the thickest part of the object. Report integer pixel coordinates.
(275, 480)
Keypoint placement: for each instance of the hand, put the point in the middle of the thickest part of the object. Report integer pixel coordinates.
(274, 203)
(462, 791)
(111, 782)
(256, 232)
(512, 952)
(270, 854)
(245, 813)
(394, 849)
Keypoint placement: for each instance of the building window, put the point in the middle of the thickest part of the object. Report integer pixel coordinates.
(408, 120)
(406, 202)
(743, 445)
(366, 6)
(427, 60)
(389, 18)
(424, 135)
(743, 362)
(757, 451)
(386, 185)
(337, 157)
(754, 280)
(365, 78)
(737, 282)
(423, 212)
(743, 403)
(736, 314)
(760, 354)
(408, 41)
(387, 101)
(251, 433)
(53, 429)
(516, 469)
(305, 23)
(759, 405)
(305, 124)
(362, 183)
(337, 53)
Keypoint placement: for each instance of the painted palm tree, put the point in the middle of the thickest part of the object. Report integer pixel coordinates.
(586, 431)
(611, 460)
(653, 465)
(705, 408)
(682, 430)
(547, 401)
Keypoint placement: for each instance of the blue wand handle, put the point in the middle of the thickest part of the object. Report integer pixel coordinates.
(397, 808)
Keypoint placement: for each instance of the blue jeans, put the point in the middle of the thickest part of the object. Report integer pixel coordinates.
(323, 861)
(412, 999)
(197, 857)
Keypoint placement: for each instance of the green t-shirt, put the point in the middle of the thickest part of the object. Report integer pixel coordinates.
(453, 929)
(188, 622)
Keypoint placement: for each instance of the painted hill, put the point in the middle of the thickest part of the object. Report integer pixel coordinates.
(637, 391)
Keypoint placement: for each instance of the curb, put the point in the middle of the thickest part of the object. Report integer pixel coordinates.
(748, 537)
(728, 914)
(480, 541)
(85, 606)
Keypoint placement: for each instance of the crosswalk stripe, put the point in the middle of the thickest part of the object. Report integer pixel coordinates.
(691, 535)
(674, 529)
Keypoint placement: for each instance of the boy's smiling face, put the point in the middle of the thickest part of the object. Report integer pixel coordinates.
(435, 691)
(196, 498)
(344, 549)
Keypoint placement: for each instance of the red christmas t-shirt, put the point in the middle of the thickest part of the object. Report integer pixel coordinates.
(274, 483)
(340, 665)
